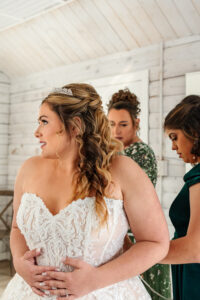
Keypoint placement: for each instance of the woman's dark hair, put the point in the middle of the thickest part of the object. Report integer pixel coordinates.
(185, 116)
(124, 99)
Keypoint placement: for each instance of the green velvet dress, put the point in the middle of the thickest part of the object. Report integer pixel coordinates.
(158, 277)
(186, 277)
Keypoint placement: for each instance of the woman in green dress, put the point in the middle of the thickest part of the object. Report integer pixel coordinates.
(182, 125)
(123, 111)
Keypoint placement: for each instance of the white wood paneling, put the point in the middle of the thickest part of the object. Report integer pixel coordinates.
(80, 37)
(3, 129)
(23, 9)
(158, 19)
(94, 34)
(48, 37)
(106, 8)
(84, 25)
(176, 56)
(67, 36)
(196, 4)
(4, 120)
(135, 60)
(192, 83)
(174, 17)
(111, 39)
(4, 140)
(190, 14)
(4, 108)
(143, 20)
(68, 32)
(131, 25)
(16, 12)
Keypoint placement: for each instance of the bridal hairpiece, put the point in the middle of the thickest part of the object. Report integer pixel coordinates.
(64, 91)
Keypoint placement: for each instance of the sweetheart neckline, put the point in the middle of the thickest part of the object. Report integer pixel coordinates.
(66, 207)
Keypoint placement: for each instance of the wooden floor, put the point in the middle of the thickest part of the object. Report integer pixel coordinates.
(5, 275)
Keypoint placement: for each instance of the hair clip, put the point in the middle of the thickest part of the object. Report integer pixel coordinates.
(64, 91)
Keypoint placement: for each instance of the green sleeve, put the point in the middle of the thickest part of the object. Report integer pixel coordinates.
(144, 156)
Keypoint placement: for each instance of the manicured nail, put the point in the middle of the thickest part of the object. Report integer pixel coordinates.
(38, 250)
(58, 269)
(44, 274)
(41, 283)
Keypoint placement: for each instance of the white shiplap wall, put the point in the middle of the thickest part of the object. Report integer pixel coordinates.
(4, 120)
(180, 56)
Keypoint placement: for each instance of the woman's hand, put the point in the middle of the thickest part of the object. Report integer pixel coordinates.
(34, 275)
(72, 285)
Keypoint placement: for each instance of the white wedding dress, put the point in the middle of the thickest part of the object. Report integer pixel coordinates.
(74, 232)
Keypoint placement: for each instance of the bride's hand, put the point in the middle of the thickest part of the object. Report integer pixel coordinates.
(34, 275)
(72, 285)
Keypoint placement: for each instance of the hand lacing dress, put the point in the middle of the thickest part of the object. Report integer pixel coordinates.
(74, 232)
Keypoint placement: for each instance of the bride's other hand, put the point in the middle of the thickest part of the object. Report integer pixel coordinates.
(33, 274)
(72, 285)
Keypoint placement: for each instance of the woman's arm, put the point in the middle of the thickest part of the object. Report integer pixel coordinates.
(148, 224)
(187, 249)
(17, 241)
(23, 258)
(146, 221)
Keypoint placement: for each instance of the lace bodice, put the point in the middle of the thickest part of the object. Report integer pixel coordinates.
(74, 232)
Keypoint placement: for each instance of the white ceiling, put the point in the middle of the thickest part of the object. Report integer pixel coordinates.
(20, 11)
(36, 35)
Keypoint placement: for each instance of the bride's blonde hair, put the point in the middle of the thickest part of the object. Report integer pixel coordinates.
(96, 146)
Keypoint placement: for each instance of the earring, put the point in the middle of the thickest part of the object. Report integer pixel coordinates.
(194, 157)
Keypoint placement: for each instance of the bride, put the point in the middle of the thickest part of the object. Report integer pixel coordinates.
(73, 206)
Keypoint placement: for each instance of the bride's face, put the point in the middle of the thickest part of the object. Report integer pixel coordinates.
(53, 138)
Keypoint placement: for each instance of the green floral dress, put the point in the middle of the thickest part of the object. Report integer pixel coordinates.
(158, 277)
(142, 154)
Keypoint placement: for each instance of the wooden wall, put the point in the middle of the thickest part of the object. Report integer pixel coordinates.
(4, 120)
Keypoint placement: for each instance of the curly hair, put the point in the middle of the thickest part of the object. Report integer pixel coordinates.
(96, 146)
(186, 117)
(124, 99)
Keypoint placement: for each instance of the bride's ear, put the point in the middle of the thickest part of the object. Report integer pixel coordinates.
(77, 127)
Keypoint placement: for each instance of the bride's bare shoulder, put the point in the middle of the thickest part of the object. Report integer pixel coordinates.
(32, 164)
(34, 160)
